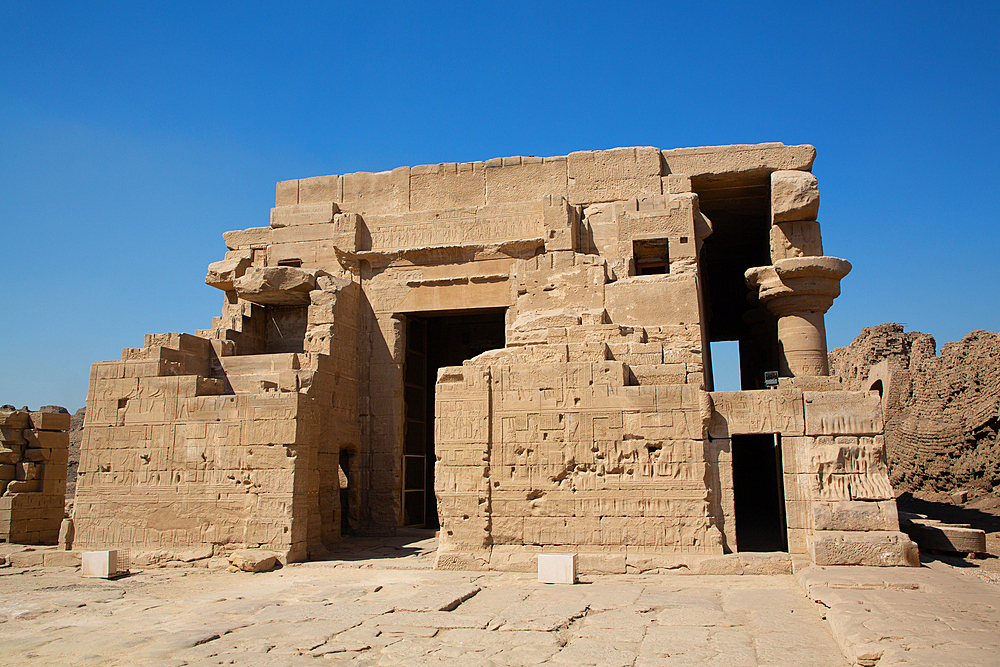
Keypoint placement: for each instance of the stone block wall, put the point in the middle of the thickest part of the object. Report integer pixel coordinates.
(33, 458)
(567, 456)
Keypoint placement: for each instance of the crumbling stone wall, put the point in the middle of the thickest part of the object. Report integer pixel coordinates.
(187, 444)
(942, 412)
(33, 457)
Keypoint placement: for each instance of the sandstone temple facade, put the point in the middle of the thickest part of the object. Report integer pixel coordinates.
(516, 351)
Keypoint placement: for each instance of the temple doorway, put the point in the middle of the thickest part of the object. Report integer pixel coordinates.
(434, 341)
(759, 493)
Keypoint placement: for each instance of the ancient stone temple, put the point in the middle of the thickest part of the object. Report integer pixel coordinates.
(516, 351)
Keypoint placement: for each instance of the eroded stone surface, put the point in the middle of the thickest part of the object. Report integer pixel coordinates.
(925, 616)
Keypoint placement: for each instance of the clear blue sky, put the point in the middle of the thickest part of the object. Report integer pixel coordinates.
(133, 134)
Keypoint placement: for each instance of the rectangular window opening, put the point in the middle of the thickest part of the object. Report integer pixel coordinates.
(726, 365)
(651, 257)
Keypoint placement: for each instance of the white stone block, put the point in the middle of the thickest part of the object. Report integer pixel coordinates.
(100, 564)
(557, 568)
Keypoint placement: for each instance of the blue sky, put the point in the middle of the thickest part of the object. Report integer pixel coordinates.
(133, 134)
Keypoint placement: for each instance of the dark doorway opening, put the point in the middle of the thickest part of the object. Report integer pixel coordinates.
(740, 212)
(434, 341)
(759, 493)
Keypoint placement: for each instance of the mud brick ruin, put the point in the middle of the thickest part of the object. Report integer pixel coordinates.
(516, 351)
(33, 457)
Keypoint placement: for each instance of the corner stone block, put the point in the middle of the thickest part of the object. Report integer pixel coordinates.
(855, 516)
(348, 231)
(286, 193)
(843, 413)
(560, 221)
(50, 421)
(14, 420)
(794, 196)
(677, 183)
(50, 440)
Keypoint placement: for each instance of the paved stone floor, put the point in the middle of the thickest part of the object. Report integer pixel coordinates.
(932, 615)
(394, 610)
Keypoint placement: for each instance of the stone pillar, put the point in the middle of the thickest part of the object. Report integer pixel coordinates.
(799, 291)
(801, 284)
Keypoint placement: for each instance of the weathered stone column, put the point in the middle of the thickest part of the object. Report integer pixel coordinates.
(799, 291)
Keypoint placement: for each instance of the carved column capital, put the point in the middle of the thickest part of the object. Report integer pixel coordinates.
(798, 291)
(799, 284)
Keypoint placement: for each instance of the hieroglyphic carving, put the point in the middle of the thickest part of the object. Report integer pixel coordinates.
(761, 411)
(460, 226)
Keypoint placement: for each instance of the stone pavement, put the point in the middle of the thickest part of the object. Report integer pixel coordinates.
(932, 615)
(394, 610)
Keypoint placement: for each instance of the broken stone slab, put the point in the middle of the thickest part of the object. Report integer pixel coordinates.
(437, 598)
(276, 286)
(930, 534)
(10, 454)
(160, 557)
(198, 553)
(252, 560)
(540, 615)
(874, 548)
(26, 558)
(14, 419)
(546, 319)
(224, 273)
(22, 486)
(24, 611)
(61, 559)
